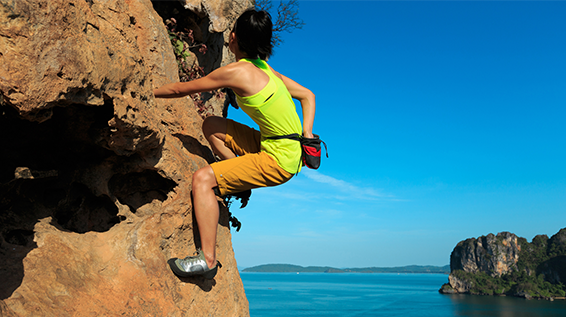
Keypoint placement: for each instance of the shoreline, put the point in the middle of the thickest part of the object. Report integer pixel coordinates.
(290, 268)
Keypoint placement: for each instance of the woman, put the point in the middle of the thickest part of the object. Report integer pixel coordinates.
(249, 158)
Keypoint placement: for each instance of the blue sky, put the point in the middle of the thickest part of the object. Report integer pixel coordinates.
(444, 121)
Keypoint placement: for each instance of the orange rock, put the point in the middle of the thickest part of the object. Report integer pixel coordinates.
(109, 201)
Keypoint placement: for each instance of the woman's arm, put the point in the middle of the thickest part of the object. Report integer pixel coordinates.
(219, 78)
(307, 100)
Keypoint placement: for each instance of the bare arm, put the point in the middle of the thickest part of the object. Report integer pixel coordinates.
(307, 100)
(219, 78)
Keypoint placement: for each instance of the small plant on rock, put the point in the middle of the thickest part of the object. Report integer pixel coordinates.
(184, 43)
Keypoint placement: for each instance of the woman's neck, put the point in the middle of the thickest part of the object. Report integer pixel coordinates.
(242, 56)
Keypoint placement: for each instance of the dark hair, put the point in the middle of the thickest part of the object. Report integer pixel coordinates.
(254, 31)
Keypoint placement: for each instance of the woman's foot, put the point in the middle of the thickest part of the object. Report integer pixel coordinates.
(193, 266)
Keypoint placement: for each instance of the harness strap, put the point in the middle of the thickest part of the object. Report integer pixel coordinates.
(294, 136)
(297, 137)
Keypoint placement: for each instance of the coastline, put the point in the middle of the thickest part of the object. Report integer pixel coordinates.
(290, 268)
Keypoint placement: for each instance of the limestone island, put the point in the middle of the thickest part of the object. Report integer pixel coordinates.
(505, 264)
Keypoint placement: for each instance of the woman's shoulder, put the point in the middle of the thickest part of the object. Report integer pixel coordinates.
(240, 67)
(235, 70)
(245, 78)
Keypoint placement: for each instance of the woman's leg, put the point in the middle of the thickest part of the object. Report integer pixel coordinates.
(206, 211)
(205, 205)
(214, 129)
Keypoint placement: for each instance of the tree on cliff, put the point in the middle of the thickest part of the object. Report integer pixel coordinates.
(287, 17)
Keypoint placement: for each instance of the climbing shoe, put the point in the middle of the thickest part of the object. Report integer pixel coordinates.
(193, 266)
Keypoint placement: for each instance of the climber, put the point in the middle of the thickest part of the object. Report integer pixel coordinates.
(248, 158)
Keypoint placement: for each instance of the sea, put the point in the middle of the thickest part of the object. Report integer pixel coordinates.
(374, 294)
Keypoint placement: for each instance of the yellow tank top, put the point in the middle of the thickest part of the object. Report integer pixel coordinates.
(273, 110)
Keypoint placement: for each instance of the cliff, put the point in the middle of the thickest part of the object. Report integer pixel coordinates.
(95, 174)
(505, 264)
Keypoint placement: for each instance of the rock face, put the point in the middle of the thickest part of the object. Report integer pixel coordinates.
(219, 12)
(494, 255)
(203, 23)
(95, 174)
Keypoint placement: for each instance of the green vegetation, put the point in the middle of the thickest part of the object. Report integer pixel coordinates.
(184, 43)
(289, 268)
(515, 283)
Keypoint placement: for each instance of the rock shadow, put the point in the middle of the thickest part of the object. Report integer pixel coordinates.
(42, 175)
(554, 269)
(204, 284)
(140, 188)
(199, 24)
(195, 147)
(38, 171)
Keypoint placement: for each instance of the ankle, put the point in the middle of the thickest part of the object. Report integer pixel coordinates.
(210, 260)
(210, 263)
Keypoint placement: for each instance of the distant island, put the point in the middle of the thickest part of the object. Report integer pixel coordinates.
(505, 264)
(289, 268)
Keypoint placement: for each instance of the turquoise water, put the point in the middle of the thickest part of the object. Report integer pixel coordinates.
(355, 294)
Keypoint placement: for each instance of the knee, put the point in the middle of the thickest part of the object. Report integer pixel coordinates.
(204, 178)
(212, 125)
